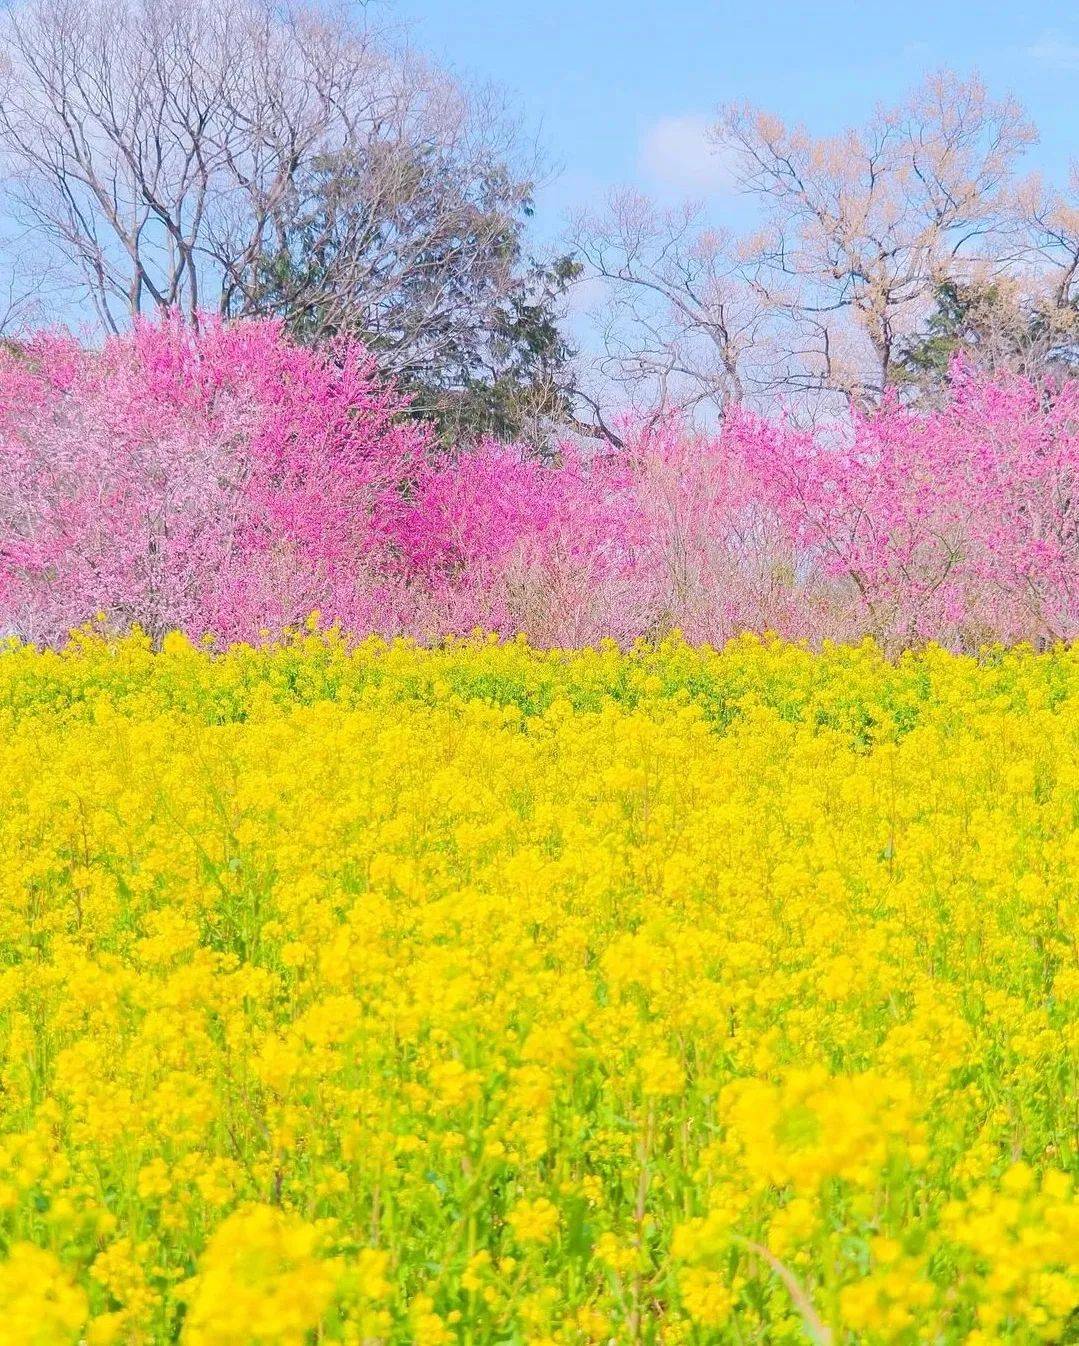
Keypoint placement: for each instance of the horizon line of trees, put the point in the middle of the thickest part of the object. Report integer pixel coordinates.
(262, 160)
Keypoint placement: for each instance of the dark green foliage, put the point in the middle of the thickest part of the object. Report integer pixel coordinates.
(422, 257)
(994, 329)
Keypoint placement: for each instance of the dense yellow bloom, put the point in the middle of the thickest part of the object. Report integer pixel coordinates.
(533, 1221)
(661, 1075)
(401, 995)
(39, 1305)
(260, 1280)
(707, 1296)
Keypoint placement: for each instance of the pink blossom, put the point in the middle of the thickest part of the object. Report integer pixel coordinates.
(228, 481)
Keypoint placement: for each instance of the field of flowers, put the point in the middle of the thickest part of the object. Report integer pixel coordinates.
(379, 994)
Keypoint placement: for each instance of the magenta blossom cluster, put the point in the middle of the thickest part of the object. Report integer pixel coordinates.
(228, 482)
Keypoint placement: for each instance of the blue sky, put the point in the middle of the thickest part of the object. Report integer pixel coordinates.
(621, 91)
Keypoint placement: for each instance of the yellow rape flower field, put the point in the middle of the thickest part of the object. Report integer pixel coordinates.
(480, 995)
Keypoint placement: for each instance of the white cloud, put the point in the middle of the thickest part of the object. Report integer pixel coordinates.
(1056, 51)
(678, 152)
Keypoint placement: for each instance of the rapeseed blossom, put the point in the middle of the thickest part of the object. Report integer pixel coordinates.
(477, 994)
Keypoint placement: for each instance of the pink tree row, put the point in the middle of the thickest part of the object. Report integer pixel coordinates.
(229, 482)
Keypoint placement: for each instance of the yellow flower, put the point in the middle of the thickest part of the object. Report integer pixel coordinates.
(545, 987)
(661, 1075)
(371, 1264)
(706, 1296)
(428, 1327)
(533, 1221)
(39, 1304)
(261, 1280)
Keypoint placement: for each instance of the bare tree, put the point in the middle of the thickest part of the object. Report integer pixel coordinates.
(116, 126)
(1051, 218)
(858, 232)
(241, 155)
(863, 226)
(679, 324)
(24, 284)
(1022, 318)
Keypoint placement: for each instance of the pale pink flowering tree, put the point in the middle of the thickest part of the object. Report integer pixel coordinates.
(958, 525)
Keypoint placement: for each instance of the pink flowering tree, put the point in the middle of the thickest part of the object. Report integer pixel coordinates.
(959, 525)
(669, 531)
(496, 539)
(225, 481)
